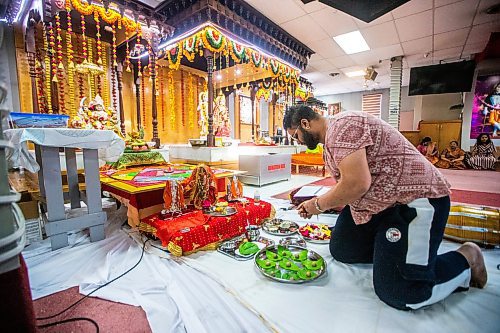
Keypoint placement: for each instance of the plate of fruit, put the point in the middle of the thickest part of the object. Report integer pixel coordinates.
(222, 209)
(316, 233)
(290, 264)
(279, 227)
(135, 142)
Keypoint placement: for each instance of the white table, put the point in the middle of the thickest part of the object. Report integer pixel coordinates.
(94, 144)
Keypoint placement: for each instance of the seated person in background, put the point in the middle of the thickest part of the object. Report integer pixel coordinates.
(429, 150)
(452, 157)
(482, 155)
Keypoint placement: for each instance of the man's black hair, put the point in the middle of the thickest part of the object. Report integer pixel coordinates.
(296, 113)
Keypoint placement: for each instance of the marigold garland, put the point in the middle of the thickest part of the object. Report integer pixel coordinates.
(104, 79)
(127, 55)
(60, 66)
(212, 39)
(98, 38)
(162, 98)
(143, 100)
(84, 39)
(171, 99)
(183, 116)
(174, 56)
(109, 16)
(113, 69)
(92, 87)
(138, 43)
(71, 65)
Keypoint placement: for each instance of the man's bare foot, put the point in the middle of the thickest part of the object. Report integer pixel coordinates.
(474, 257)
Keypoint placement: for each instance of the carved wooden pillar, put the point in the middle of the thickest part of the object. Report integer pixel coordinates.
(154, 111)
(119, 71)
(253, 92)
(210, 83)
(32, 69)
(137, 81)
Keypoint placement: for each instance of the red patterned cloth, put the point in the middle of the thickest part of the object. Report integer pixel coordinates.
(400, 173)
(195, 231)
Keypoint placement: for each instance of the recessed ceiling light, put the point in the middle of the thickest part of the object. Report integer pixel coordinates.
(355, 73)
(352, 42)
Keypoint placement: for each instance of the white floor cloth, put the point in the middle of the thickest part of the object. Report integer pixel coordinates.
(210, 292)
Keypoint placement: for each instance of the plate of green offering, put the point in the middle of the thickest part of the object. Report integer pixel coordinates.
(290, 264)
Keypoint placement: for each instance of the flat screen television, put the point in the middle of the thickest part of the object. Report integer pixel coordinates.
(442, 79)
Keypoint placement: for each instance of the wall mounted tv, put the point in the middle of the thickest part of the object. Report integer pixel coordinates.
(441, 79)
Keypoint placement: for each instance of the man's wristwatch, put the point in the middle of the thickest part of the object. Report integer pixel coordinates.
(316, 205)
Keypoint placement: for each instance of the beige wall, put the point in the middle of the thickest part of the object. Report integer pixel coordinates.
(437, 107)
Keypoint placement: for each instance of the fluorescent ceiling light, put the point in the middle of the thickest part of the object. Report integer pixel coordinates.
(355, 73)
(352, 42)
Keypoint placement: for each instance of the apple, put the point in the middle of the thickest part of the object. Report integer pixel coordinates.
(136, 148)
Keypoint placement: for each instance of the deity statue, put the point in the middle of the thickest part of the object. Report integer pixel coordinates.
(203, 111)
(95, 116)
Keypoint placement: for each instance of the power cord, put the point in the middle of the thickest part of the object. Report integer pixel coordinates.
(84, 297)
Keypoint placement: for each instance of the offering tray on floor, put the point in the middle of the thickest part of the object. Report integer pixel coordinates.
(229, 211)
(230, 247)
(321, 233)
(277, 227)
(293, 240)
(305, 265)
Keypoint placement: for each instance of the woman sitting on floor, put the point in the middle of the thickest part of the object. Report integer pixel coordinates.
(429, 150)
(452, 157)
(482, 155)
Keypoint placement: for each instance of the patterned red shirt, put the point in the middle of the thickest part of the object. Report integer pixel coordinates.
(400, 173)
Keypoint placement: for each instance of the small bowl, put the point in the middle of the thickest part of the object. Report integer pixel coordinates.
(229, 245)
(252, 232)
(151, 144)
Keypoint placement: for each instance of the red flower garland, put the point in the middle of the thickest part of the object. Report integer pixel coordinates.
(143, 95)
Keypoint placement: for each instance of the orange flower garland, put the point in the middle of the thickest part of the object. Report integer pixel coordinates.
(60, 66)
(171, 99)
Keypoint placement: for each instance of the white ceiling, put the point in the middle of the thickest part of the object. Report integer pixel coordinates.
(444, 29)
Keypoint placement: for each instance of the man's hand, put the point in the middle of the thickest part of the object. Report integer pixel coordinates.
(307, 209)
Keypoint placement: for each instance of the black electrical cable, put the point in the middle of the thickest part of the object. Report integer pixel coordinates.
(71, 320)
(84, 297)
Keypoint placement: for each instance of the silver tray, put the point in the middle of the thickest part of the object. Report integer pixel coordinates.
(229, 211)
(267, 222)
(231, 251)
(311, 255)
(294, 240)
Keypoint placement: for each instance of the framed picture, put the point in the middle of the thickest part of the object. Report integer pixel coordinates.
(486, 107)
(334, 108)
(246, 110)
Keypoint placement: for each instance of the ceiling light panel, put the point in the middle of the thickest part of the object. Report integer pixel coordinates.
(352, 42)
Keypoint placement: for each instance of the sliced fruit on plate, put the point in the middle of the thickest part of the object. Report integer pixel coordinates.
(266, 264)
(248, 248)
(273, 256)
(301, 256)
(288, 265)
(305, 274)
(313, 265)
